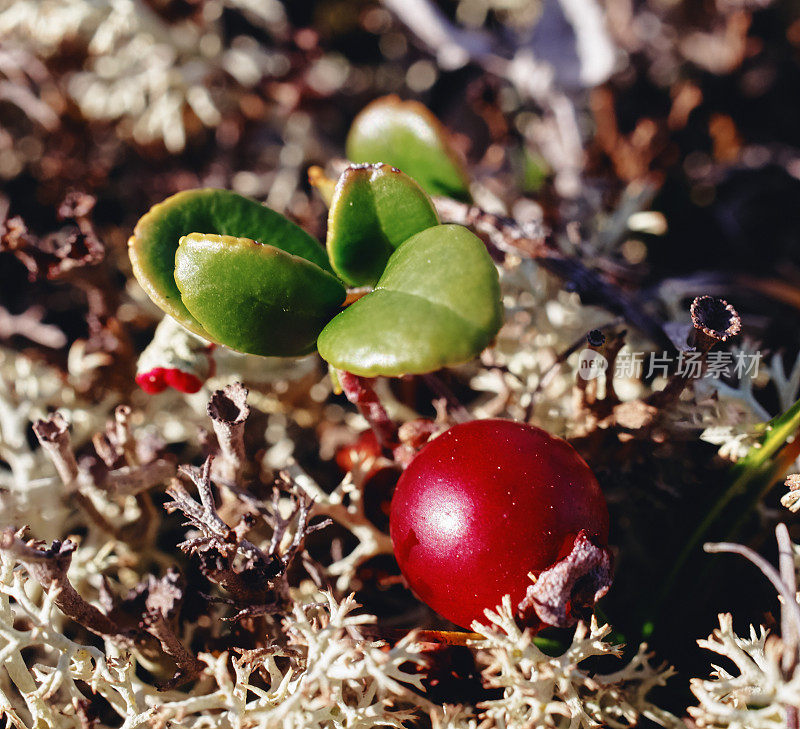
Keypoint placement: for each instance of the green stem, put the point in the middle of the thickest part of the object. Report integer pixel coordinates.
(754, 474)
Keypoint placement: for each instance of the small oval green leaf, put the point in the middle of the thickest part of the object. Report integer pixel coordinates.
(220, 212)
(373, 210)
(255, 298)
(407, 135)
(437, 304)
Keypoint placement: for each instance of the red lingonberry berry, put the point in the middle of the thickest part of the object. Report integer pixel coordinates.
(152, 381)
(182, 381)
(483, 505)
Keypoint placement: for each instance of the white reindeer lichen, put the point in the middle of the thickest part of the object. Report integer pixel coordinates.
(764, 691)
(141, 70)
(754, 698)
(556, 691)
(326, 673)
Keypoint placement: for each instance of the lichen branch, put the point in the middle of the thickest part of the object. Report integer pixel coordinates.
(229, 411)
(48, 566)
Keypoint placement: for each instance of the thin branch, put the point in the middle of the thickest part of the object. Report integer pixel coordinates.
(790, 604)
(48, 566)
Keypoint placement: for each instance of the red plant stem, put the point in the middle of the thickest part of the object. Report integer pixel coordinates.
(360, 392)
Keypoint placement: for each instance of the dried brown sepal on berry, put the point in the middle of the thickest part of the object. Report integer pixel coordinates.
(567, 592)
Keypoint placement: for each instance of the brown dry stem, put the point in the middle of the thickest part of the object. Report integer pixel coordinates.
(48, 566)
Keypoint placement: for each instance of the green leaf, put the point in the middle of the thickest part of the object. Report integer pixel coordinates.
(406, 135)
(374, 209)
(220, 212)
(255, 298)
(437, 304)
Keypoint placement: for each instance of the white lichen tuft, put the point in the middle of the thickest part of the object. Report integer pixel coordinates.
(344, 680)
(30, 492)
(522, 375)
(141, 71)
(557, 691)
(327, 674)
(760, 687)
(755, 695)
(345, 505)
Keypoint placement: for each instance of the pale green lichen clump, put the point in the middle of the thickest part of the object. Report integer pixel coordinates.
(557, 691)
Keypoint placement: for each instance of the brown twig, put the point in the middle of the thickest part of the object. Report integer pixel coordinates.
(162, 603)
(441, 637)
(112, 446)
(253, 576)
(48, 566)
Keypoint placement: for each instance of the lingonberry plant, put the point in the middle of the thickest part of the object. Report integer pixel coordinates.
(237, 273)
(490, 502)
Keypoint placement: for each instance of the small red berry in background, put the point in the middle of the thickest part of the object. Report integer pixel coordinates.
(486, 503)
(364, 448)
(175, 358)
(158, 379)
(182, 381)
(152, 381)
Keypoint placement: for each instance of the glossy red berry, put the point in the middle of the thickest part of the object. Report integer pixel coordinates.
(182, 381)
(152, 381)
(483, 505)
